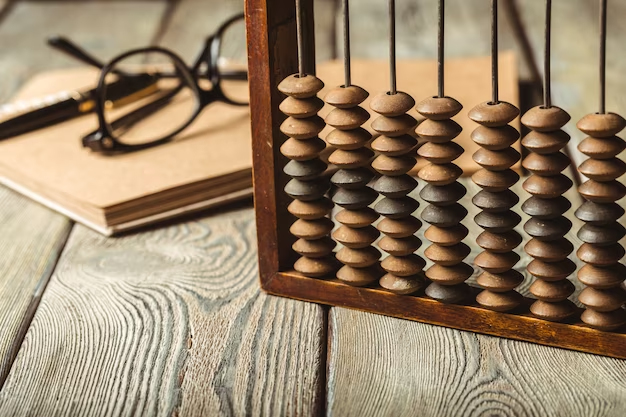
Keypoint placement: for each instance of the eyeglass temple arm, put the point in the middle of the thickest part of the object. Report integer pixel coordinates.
(65, 45)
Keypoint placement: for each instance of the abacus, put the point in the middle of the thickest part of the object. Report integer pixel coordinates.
(342, 232)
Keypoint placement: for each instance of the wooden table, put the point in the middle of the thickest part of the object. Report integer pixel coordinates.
(171, 321)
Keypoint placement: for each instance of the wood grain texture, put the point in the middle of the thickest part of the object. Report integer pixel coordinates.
(167, 322)
(380, 366)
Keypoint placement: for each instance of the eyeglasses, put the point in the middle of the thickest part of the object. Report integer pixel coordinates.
(166, 95)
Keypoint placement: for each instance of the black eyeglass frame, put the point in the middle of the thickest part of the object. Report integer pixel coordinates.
(104, 140)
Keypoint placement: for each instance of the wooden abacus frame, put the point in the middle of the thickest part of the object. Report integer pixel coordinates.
(271, 31)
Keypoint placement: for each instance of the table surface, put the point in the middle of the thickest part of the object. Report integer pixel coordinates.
(171, 321)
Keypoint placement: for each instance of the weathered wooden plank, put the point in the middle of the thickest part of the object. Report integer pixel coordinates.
(167, 322)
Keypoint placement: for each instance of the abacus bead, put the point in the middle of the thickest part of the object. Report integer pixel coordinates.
(447, 255)
(602, 277)
(546, 208)
(591, 212)
(503, 282)
(394, 126)
(601, 125)
(449, 275)
(301, 108)
(440, 174)
(358, 277)
(446, 236)
(315, 267)
(302, 150)
(393, 165)
(551, 271)
(545, 119)
(398, 228)
(601, 235)
(306, 190)
(439, 131)
(549, 251)
(314, 248)
(495, 138)
(358, 258)
(444, 216)
(496, 263)
(546, 165)
(346, 97)
(494, 114)
(357, 218)
(347, 119)
(310, 210)
(501, 302)
(401, 285)
(394, 187)
(305, 170)
(394, 146)
(545, 143)
(603, 169)
(352, 178)
(440, 153)
(392, 105)
(443, 195)
(495, 181)
(499, 242)
(403, 266)
(501, 201)
(602, 148)
(547, 229)
(356, 238)
(400, 246)
(348, 139)
(451, 294)
(439, 108)
(350, 159)
(603, 300)
(497, 222)
(558, 311)
(602, 192)
(600, 255)
(301, 87)
(496, 160)
(302, 128)
(547, 187)
(311, 229)
(396, 208)
(354, 199)
(552, 291)
(604, 321)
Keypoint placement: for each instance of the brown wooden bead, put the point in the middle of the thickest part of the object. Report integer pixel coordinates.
(494, 202)
(499, 242)
(439, 108)
(499, 301)
(450, 275)
(601, 235)
(314, 248)
(439, 131)
(549, 251)
(392, 105)
(602, 148)
(306, 190)
(400, 246)
(443, 195)
(302, 150)
(443, 174)
(553, 311)
(604, 321)
(545, 119)
(495, 181)
(602, 277)
(494, 114)
(394, 126)
(301, 108)
(393, 165)
(545, 143)
(354, 199)
(603, 169)
(351, 159)
(305, 170)
(602, 192)
(444, 216)
(395, 146)
(358, 258)
(403, 266)
(356, 238)
(496, 263)
(447, 255)
(547, 229)
(496, 160)
(401, 285)
(449, 294)
(506, 281)
(547, 187)
(348, 139)
(600, 255)
(396, 208)
(603, 300)
(347, 119)
(601, 125)
(446, 236)
(398, 228)
(346, 97)
(542, 208)
(352, 178)
(546, 165)
(303, 128)
(357, 218)
(395, 187)
(440, 153)
(359, 277)
(311, 229)
(495, 138)
(316, 267)
(300, 87)
(552, 291)
(310, 210)
(551, 271)
(497, 222)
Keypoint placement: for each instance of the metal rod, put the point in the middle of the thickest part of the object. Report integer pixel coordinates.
(300, 39)
(346, 43)
(440, 47)
(392, 46)
(494, 51)
(547, 93)
(603, 56)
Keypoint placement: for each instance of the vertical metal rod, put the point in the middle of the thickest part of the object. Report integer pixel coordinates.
(346, 43)
(440, 47)
(603, 56)
(494, 50)
(300, 39)
(547, 93)
(392, 46)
